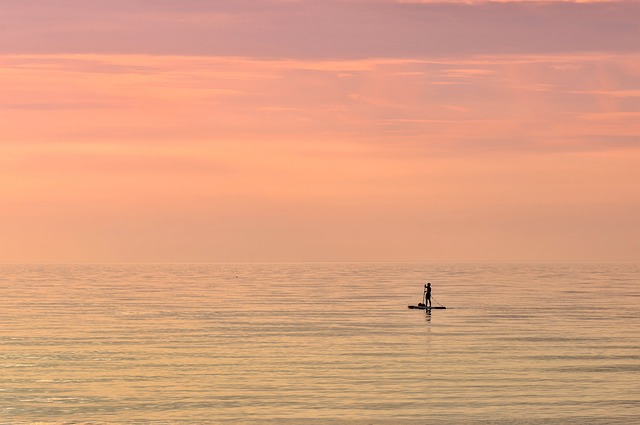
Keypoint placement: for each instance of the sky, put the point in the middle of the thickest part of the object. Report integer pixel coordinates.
(319, 130)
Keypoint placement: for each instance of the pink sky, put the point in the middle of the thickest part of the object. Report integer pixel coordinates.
(345, 130)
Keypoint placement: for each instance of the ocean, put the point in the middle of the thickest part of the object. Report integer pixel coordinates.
(320, 343)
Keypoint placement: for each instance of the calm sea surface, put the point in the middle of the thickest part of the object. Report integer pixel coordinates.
(320, 344)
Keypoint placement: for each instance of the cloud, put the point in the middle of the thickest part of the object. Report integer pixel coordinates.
(318, 29)
(457, 105)
(612, 93)
(479, 2)
(43, 106)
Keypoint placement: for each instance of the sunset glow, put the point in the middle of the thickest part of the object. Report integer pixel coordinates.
(294, 131)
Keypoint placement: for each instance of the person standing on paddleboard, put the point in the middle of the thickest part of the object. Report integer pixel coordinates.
(427, 295)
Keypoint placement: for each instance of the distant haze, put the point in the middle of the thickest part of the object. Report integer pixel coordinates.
(326, 130)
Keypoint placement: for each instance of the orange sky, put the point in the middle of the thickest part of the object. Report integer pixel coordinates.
(199, 131)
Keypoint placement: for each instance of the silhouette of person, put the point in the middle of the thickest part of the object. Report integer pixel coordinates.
(427, 295)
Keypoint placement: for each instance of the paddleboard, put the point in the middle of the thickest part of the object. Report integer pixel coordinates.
(423, 307)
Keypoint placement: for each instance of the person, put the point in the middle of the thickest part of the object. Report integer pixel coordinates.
(427, 295)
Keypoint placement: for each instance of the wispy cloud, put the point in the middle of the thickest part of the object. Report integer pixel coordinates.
(479, 2)
(612, 93)
(318, 29)
(125, 99)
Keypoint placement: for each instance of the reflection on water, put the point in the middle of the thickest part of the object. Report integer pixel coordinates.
(319, 343)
